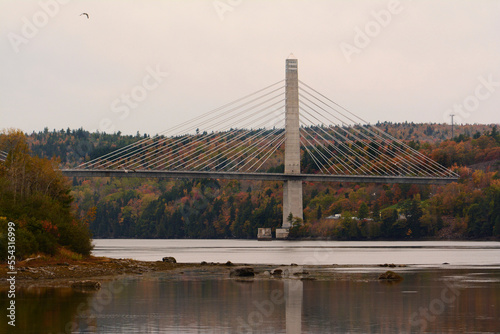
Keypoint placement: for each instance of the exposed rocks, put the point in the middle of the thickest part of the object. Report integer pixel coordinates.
(86, 285)
(44, 268)
(277, 272)
(390, 275)
(299, 273)
(169, 259)
(242, 272)
(229, 263)
(392, 265)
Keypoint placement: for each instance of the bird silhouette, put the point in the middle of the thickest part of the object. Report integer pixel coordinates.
(85, 14)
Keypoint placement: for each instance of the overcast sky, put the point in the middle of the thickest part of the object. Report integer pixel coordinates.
(383, 60)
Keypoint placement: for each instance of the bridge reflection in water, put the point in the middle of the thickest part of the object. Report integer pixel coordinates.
(294, 290)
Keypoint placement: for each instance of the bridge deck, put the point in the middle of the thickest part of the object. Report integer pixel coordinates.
(256, 176)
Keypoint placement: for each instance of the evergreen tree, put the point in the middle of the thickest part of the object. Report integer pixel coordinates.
(363, 211)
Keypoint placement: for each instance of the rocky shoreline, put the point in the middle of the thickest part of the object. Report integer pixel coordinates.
(92, 270)
(40, 271)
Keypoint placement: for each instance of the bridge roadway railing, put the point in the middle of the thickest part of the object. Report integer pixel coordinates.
(176, 174)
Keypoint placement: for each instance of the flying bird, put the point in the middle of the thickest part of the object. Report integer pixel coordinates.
(84, 14)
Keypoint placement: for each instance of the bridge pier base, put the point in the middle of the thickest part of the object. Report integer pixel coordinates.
(292, 202)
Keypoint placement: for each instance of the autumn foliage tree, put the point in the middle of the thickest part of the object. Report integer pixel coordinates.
(36, 197)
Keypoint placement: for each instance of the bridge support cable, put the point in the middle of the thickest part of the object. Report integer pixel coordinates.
(180, 128)
(348, 170)
(313, 158)
(406, 155)
(376, 163)
(345, 129)
(233, 137)
(230, 148)
(226, 123)
(250, 112)
(392, 139)
(256, 153)
(317, 162)
(371, 139)
(271, 152)
(355, 166)
(238, 152)
(236, 138)
(410, 167)
(353, 157)
(356, 153)
(201, 145)
(235, 153)
(244, 155)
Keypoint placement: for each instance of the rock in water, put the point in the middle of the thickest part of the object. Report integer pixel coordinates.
(169, 259)
(86, 285)
(390, 275)
(242, 272)
(277, 272)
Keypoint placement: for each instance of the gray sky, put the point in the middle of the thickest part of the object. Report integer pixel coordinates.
(383, 60)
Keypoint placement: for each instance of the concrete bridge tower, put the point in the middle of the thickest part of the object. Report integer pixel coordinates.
(292, 190)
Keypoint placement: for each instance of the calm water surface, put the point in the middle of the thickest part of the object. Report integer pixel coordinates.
(434, 298)
(304, 252)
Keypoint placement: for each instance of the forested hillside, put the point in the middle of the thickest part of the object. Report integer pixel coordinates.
(138, 208)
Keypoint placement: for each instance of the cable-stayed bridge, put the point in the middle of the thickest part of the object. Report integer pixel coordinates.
(264, 136)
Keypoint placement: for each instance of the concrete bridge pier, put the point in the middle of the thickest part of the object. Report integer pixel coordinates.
(292, 190)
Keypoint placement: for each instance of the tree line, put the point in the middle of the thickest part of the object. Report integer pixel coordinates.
(138, 208)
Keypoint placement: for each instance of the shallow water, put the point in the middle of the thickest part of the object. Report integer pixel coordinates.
(427, 300)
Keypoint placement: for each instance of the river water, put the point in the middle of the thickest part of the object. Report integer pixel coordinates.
(460, 297)
(304, 252)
